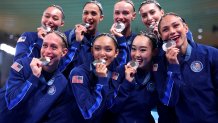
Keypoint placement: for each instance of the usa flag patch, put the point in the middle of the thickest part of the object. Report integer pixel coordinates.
(115, 75)
(21, 39)
(155, 67)
(16, 66)
(77, 79)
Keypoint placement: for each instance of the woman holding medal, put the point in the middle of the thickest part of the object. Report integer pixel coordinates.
(195, 100)
(30, 43)
(91, 82)
(82, 36)
(124, 13)
(38, 92)
(151, 12)
(135, 95)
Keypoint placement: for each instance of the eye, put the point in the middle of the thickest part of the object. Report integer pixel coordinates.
(55, 18)
(144, 15)
(93, 13)
(143, 50)
(133, 49)
(108, 49)
(165, 30)
(47, 16)
(176, 25)
(54, 47)
(125, 13)
(152, 12)
(97, 48)
(85, 13)
(44, 45)
(116, 12)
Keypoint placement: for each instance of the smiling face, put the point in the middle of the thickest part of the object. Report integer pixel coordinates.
(171, 27)
(142, 50)
(52, 17)
(104, 47)
(92, 15)
(54, 48)
(150, 14)
(124, 12)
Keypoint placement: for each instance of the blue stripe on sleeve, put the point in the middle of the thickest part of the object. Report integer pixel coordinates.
(12, 103)
(88, 114)
(167, 94)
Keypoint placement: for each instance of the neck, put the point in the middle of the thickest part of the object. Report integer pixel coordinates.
(183, 48)
(127, 32)
(92, 32)
(50, 69)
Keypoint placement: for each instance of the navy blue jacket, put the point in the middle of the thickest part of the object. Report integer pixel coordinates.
(125, 43)
(28, 45)
(133, 101)
(192, 85)
(31, 99)
(91, 92)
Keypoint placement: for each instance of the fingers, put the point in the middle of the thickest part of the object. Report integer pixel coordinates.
(101, 70)
(114, 32)
(171, 55)
(36, 66)
(80, 30)
(129, 73)
(41, 32)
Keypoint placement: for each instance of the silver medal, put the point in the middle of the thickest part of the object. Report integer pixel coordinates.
(45, 60)
(151, 28)
(102, 61)
(134, 64)
(119, 27)
(168, 44)
(86, 25)
(46, 28)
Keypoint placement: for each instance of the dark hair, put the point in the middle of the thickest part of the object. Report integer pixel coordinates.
(108, 35)
(63, 37)
(149, 2)
(60, 8)
(173, 14)
(153, 38)
(96, 3)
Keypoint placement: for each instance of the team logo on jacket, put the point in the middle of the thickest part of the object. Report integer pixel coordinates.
(51, 90)
(150, 87)
(196, 66)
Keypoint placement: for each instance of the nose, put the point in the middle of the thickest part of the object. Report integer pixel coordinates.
(149, 17)
(172, 31)
(102, 53)
(119, 17)
(89, 16)
(137, 54)
(47, 51)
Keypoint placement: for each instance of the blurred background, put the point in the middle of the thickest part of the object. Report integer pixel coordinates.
(18, 16)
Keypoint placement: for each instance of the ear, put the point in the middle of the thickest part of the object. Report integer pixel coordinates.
(133, 16)
(116, 53)
(186, 27)
(162, 12)
(92, 50)
(62, 23)
(64, 52)
(101, 17)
